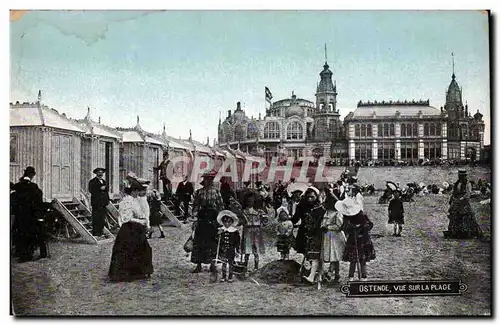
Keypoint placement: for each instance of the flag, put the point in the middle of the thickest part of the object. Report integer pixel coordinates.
(269, 96)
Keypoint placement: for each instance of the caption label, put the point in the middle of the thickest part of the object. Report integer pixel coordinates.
(404, 288)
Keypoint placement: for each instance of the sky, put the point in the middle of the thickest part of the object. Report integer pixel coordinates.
(185, 68)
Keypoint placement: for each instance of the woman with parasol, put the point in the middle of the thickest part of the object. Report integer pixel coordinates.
(359, 247)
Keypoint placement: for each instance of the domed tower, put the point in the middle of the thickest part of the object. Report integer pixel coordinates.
(455, 109)
(326, 92)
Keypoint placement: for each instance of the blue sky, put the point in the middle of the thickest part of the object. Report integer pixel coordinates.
(182, 68)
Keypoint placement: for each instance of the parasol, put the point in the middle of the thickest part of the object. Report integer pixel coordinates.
(293, 187)
(391, 185)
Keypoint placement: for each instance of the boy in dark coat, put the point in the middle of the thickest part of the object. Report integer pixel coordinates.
(396, 213)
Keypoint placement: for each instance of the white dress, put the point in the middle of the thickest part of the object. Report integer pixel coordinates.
(334, 239)
(130, 210)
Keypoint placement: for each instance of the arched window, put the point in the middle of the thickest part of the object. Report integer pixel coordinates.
(356, 130)
(432, 129)
(252, 131)
(464, 130)
(403, 130)
(294, 131)
(426, 129)
(239, 132)
(380, 130)
(363, 130)
(415, 130)
(369, 131)
(391, 130)
(386, 130)
(272, 130)
(438, 129)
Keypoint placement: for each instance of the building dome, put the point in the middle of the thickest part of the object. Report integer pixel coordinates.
(294, 109)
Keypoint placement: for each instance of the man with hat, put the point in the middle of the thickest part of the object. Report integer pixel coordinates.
(99, 199)
(184, 192)
(167, 184)
(28, 212)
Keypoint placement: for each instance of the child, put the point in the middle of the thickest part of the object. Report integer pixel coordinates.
(253, 240)
(334, 239)
(285, 231)
(396, 213)
(155, 213)
(229, 242)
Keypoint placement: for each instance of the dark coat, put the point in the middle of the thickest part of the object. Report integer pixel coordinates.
(27, 206)
(226, 192)
(184, 191)
(98, 198)
(308, 241)
(396, 211)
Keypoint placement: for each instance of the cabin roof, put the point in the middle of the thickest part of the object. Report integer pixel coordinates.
(32, 115)
(177, 144)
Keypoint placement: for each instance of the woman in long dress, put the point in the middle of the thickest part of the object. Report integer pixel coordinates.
(207, 205)
(462, 220)
(131, 258)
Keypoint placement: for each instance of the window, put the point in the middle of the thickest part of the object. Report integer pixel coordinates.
(379, 130)
(14, 148)
(453, 153)
(386, 151)
(403, 130)
(432, 129)
(294, 131)
(228, 134)
(363, 151)
(363, 130)
(409, 151)
(438, 129)
(391, 130)
(369, 132)
(386, 130)
(426, 129)
(357, 131)
(272, 130)
(239, 132)
(415, 130)
(432, 150)
(252, 131)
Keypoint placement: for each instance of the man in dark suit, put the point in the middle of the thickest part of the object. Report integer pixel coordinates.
(27, 208)
(167, 184)
(99, 199)
(184, 192)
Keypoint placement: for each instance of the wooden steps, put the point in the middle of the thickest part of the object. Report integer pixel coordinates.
(80, 218)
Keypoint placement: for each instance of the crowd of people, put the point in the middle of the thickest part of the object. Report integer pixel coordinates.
(326, 226)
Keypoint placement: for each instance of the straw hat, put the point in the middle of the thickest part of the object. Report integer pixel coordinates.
(210, 174)
(99, 169)
(348, 207)
(227, 213)
(462, 172)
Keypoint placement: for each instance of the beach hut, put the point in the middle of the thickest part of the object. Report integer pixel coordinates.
(141, 153)
(51, 143)
(100, 148)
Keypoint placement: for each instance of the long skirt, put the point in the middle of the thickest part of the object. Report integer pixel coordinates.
(205, 238)
(253, 241)
(132, 257)
(284, 243)
(362, 247)
(333, 246)
(462, 221)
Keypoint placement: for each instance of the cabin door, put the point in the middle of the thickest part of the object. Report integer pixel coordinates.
(105, 159)
(154, 161)
(62, 182)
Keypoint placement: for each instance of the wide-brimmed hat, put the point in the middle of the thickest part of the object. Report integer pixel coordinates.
(134, 185)
(99, 169)
(348, 207)
(227, 213)
(313, 189)
(281, 209)
(462, 172)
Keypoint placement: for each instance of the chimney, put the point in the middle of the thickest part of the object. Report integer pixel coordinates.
(238, 106)
(228, 113)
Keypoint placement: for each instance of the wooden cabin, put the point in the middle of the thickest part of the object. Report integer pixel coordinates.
(51, 143)
(140, 153)
(100, 148)
(176, 148)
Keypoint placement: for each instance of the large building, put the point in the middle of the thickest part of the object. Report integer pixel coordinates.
(292, 127)
(375, 131)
